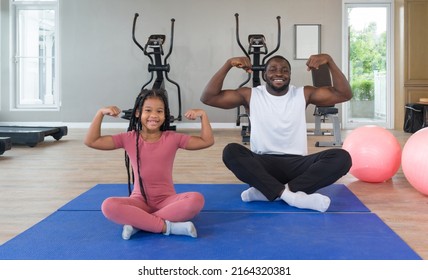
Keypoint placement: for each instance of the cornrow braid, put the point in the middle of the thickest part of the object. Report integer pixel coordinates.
(135, 125)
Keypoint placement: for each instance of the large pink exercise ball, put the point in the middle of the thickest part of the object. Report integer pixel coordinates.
(415, 160)
(375, 153)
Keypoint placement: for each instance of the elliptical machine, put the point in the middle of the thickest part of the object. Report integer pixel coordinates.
(257, 47)
(155, 43)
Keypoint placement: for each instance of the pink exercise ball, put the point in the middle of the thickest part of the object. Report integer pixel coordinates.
(415, 160)
(375, 153)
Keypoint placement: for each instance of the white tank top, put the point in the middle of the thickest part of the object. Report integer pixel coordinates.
(278, 123)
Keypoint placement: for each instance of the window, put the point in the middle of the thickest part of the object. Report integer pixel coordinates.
(368, 62)
(34, 50)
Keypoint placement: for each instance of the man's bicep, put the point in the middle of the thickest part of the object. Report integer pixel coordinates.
(228, 99)
(323, 96)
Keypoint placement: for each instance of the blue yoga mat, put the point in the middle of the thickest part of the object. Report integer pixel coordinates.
(221, 197)
(88, 235)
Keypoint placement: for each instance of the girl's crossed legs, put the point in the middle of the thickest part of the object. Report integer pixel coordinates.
(169, 216)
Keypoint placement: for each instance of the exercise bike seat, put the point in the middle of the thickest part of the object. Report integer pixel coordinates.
(326, 110)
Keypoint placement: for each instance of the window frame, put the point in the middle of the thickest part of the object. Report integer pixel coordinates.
(15, 103)
(389, 5)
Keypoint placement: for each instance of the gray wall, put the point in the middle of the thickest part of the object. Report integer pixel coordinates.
(100, 65)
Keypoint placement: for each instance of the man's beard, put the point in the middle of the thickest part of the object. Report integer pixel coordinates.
(279, 89)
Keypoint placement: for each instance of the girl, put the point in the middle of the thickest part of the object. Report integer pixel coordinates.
(150, 147)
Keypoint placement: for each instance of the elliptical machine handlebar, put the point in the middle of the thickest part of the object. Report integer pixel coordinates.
(172, 40)
(238, 40)
(278, 18)
(179, 117)
(133, 33)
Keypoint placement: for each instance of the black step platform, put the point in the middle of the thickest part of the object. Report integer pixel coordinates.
(31, 136)
(5, 144)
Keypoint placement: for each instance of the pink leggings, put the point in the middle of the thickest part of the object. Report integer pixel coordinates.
(135, 211)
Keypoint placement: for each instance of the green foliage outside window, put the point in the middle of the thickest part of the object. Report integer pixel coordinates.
(367, 52)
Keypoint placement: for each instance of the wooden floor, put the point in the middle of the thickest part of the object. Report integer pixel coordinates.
(35, 182)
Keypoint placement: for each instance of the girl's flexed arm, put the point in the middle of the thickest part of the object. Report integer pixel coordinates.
(206, 138)
(93, 138)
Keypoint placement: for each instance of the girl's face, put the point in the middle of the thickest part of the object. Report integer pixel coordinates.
(153, 114)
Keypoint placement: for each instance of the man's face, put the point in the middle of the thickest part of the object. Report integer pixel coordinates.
(277, 74)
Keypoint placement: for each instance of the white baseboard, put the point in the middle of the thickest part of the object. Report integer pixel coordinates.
(124, 125)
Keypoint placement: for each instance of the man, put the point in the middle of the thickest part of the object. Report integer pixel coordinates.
(278, 166)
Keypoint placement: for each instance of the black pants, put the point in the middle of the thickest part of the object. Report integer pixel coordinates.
(269, 173)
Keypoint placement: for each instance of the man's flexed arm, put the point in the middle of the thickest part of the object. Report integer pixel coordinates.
(339, 92)
(215, 95)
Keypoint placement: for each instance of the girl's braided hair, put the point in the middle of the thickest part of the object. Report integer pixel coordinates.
(135, 125)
